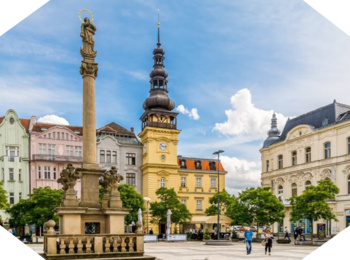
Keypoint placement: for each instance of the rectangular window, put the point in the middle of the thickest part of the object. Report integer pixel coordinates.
(114, 157)
(213, 182)
(294, 158)
(183, 201)
(67, 136)
(20, 195)
(130, 179)
(102, 156)
(54, 135)
(108, 157)
(198, 182)
(54, 173)
(47, 172)
(69, 150)
(78, 151)
(267, 165)
(308, 154)
(12, 198)
(39, 172)
(183, 181)
(12, 152)
(130, 159)
(42, 149)
(327, 150)
(58, 136)
(280, 161)
(11, 177)
(20, 175)
(52, 151)
(348, 145)
(198, 204)
(3, 174)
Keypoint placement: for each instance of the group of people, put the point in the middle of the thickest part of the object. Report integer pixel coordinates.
(268, 237)
(298, 234)
(248, 235)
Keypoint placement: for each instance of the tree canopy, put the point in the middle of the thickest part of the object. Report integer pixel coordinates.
(230, 207)
(312, 203)
(131, 199)
(3, 198)
(261, 205)
(37, 209)
(168, 200)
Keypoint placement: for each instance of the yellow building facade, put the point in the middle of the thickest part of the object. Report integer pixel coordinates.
(311, 147)
(161, 166)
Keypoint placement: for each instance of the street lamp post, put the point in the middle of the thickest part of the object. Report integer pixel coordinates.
(148, 200)
(218, 225)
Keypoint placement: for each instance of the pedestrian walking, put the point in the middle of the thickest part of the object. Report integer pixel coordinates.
(286, 235)
(268, 240)
(296, 234)
(248, 240)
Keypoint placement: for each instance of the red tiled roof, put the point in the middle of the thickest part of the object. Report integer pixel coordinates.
(190, 164)
(39, 126)
(113, 127)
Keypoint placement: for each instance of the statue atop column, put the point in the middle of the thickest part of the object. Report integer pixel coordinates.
(88, 30)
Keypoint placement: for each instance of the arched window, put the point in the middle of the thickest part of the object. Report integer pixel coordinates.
(280, 191)
(327, 150)
(162, 182)
(349, 184)
(307, 184)
(294, 189)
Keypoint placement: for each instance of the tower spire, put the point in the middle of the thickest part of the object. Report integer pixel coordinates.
(158, 25)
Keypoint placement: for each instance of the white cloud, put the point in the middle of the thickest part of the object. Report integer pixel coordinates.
(192, 114)
(53, 119)
(241, 174)
(245, 119)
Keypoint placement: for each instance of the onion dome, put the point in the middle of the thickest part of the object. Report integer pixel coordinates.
(158, 98)
(273, 133)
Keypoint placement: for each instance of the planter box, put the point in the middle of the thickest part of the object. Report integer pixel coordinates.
(283, 241)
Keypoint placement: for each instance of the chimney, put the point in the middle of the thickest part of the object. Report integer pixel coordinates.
(132, 129)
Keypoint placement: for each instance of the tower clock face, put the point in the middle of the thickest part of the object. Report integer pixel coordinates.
(163, 146)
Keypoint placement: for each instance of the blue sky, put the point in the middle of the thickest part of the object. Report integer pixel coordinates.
(235, 62)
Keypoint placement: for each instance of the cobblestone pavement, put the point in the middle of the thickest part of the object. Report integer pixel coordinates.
(199, 251)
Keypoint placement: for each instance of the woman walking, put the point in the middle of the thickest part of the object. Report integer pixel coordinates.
(268, 240)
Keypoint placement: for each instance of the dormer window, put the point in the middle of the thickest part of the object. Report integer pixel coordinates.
(183, 164)
(212, 166)
(198, 165)
(325, 122)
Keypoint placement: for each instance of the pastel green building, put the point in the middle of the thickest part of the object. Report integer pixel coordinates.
(14, 158)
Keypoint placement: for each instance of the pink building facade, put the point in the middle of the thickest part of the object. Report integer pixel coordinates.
(52, 147)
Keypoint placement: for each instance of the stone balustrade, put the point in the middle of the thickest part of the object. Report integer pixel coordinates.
(93, 246)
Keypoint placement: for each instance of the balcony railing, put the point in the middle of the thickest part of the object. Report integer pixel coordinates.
(159, 124)
(93, 246)
(57, 158)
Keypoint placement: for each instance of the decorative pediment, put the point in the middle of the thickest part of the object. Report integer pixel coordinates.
(300, 178)
(326, 173)
(298, 131)
(279, 181)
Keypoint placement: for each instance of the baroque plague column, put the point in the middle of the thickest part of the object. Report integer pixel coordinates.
(91, 229)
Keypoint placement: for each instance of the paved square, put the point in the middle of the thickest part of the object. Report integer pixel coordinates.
(199, 251)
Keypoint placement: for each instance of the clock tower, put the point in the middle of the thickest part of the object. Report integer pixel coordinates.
(159, 134)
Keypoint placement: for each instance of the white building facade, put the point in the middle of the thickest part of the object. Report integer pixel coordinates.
(119, 147)
(311, 147)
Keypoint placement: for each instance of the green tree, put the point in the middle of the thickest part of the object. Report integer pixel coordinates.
(230, 207)
(168, 200)
(312, 203)
(3, 198)
(132, 200)
(262, 205)
(38, 208)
